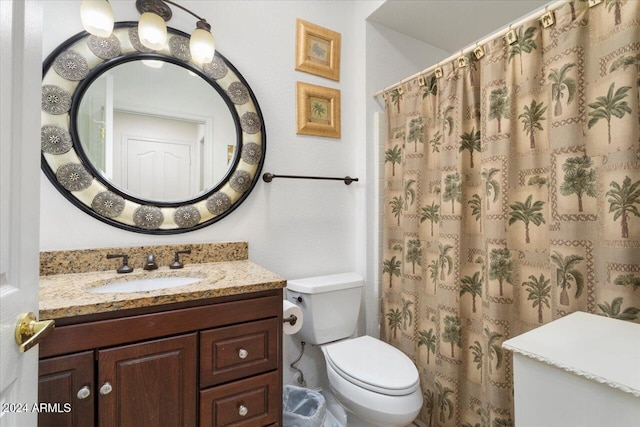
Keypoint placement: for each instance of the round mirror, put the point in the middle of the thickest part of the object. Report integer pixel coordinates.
(156, 130)
(148, 141)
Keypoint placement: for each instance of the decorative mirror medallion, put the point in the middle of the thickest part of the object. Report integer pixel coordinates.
(148, 141)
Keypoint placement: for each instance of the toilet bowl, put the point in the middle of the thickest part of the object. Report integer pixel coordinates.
(375, 382)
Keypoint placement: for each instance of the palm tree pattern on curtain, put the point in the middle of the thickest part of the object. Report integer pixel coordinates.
(511, 199)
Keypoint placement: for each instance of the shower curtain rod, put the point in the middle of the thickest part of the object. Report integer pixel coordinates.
(499, 33)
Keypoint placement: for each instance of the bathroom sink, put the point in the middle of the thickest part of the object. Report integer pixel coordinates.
(144, 285)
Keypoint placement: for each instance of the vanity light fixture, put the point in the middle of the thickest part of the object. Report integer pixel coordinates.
(202, 44)
(152, 31)
(97, 18)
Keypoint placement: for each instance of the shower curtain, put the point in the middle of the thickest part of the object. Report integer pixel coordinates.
(512, 198)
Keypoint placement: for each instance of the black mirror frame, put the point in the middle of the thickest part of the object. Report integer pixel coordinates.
(67, 73)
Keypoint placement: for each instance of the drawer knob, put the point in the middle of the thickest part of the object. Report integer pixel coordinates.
(84, 392)
(106, 389)
(243, 411)
(242, 354)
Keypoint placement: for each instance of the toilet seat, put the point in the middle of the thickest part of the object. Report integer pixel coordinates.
(373, 365)
(375, 408)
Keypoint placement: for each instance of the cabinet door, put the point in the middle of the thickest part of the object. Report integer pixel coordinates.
(66, 384)
(149, 384)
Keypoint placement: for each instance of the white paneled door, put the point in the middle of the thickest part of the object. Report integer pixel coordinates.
(159, 170)
(20, 83)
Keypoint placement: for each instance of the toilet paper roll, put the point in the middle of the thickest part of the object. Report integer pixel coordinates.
(289, 309)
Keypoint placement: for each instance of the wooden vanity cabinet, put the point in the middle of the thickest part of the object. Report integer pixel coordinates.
(216, 364)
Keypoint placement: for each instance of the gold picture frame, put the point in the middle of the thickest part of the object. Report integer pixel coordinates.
(317, 50)
(318, 110)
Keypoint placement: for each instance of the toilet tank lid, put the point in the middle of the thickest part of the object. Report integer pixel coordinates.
(320, 284)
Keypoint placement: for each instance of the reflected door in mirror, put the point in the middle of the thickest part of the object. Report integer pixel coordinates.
(159, 157)
(159, 169)
(169, 105)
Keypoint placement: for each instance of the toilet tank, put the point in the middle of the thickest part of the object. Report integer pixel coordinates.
(330, 305)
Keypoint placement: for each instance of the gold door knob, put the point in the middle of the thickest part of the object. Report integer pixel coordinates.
(29, 332)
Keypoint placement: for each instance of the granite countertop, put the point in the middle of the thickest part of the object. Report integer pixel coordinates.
(67, 295)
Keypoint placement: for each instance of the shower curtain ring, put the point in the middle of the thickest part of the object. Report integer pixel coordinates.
(548, 18)
(462, 60)
(511, 37)
(478, 51)
(438, 72)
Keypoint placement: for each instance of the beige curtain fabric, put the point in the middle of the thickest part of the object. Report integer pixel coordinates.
(512, 198)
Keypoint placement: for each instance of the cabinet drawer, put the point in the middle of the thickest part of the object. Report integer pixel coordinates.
(252, 402)
(238, 351)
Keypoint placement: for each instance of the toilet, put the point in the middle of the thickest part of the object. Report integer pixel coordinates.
(376, 383)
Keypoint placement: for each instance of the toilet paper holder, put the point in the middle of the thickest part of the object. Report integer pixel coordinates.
(291, 320)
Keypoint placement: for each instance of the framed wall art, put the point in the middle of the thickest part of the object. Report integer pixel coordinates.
(318, 110)
(317, 50)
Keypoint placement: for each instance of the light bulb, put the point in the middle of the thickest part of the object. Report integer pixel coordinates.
(152, 31)
(97, 17)
(202, 46)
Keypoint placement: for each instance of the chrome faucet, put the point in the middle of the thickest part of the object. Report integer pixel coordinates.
(151, 263)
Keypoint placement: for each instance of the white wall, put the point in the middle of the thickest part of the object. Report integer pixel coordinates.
(294, 228)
